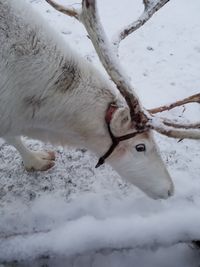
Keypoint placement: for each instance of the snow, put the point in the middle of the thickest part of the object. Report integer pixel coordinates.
(75, 215)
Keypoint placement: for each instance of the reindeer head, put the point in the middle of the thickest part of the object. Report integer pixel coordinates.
(133, 152)
(136, 159)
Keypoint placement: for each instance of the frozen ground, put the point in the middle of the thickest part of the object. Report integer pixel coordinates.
(74, 215)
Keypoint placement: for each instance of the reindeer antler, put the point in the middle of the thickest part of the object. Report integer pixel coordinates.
(141, 118)
(90, 20)
(69, 11)
(150, 8)
(190, 99)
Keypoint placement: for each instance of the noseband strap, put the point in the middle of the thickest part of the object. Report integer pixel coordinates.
(115, 139)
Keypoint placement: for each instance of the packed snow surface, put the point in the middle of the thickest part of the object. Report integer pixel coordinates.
(75, 215)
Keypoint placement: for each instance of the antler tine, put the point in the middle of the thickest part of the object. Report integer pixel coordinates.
(190, 99)
(175, 130)
(69, 11)
(150, 8)
(178, 125)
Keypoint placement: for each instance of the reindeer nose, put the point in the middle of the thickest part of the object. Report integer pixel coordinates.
(167, 193)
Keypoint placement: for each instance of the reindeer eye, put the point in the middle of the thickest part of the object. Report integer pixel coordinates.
(140, 148)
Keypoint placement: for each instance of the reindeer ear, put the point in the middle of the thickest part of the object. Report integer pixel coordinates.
(121, 121)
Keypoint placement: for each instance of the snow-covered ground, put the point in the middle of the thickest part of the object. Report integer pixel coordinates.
(75, 215)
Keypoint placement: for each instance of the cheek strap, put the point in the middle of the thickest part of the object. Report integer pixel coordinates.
(115, 139)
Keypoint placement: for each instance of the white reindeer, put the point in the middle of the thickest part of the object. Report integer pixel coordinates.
(50, 93)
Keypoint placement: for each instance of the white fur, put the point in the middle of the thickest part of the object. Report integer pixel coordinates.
(50, 93)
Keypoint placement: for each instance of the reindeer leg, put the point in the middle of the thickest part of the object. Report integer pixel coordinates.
(32, 160)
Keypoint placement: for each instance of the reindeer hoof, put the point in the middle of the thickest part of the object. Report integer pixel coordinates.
(40, 161)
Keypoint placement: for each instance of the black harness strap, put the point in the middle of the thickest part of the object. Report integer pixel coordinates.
(115, 140)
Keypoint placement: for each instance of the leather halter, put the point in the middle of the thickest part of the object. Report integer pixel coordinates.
(115, 139)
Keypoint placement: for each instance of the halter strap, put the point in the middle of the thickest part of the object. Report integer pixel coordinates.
(115, 139)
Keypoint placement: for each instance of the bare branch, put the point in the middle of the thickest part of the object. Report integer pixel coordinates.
(190, 99)
(150, 8)
(72, 12)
